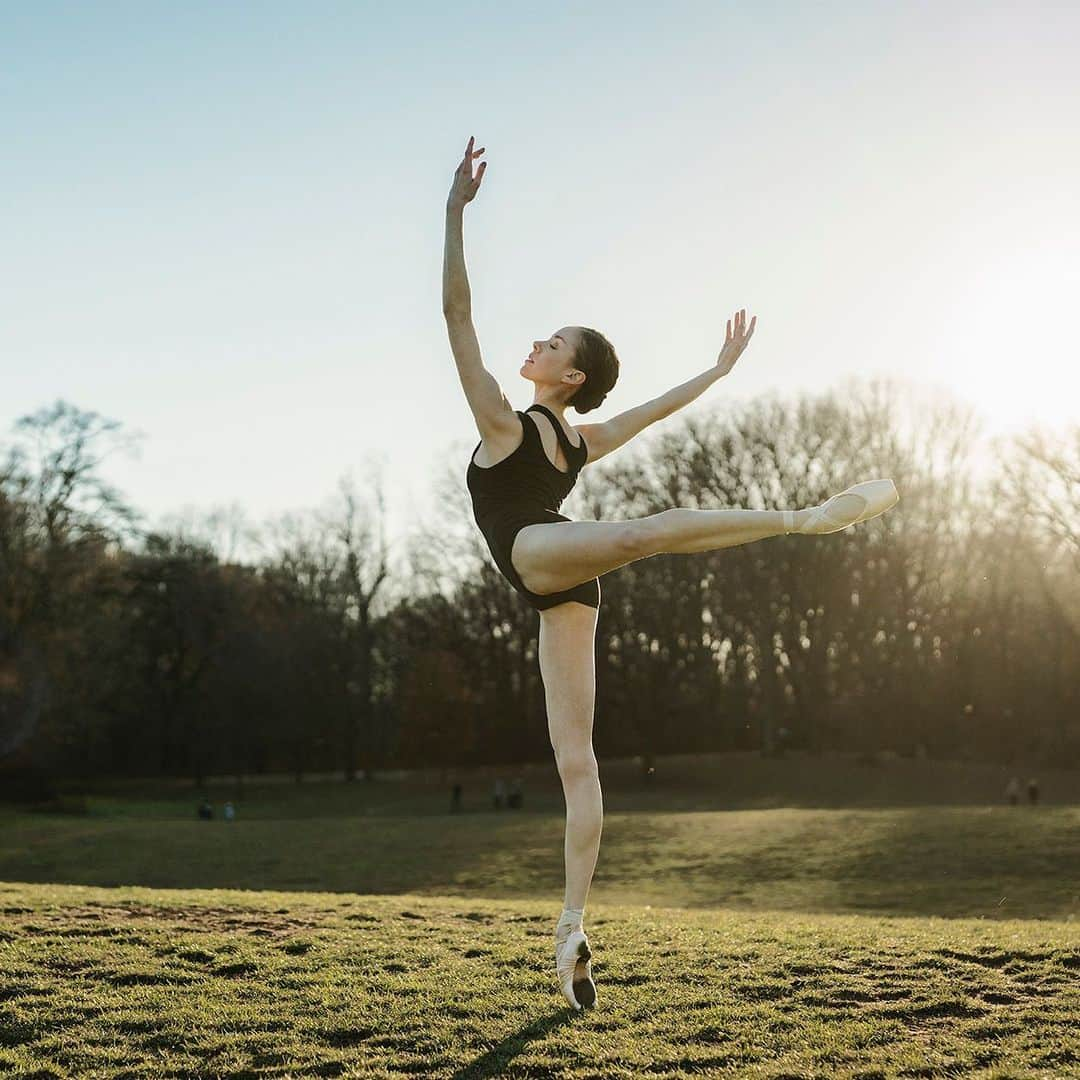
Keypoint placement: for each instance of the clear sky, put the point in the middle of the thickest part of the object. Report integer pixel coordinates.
(223, 223)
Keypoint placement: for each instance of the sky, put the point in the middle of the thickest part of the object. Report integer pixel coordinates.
(223, 224)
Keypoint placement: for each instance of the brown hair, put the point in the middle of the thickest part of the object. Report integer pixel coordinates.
(596, 356)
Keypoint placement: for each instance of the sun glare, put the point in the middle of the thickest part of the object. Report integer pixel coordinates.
(1009, 341)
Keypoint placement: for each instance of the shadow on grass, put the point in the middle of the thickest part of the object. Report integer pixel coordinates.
(945, 861)
(986, 863)
(497, 1060)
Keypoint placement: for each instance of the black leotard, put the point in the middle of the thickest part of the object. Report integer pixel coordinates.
(526, 488)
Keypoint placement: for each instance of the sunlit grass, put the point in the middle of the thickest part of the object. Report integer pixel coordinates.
(150, 983)
(748, 918)
(995, 862)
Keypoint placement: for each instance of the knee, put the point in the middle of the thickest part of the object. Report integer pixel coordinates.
(577, 765)
(640, 536)
(649, 535)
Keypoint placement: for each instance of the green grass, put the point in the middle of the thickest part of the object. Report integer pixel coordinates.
(995, 862)
(763, 919)
(735, 781)
(136, 982)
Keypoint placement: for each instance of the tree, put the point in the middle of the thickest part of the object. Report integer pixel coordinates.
(59, 523)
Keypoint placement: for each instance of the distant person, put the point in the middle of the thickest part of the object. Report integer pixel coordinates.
(455, 799)
(648, 768)
(1033, 791)
(516, 795)
(500, 793)
(781, 741)
(518, 476)
(228, 812)
(206, 811)
(1012, 790)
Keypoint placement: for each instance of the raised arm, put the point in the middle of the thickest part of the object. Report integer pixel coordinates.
(490, 408)
(602, 438)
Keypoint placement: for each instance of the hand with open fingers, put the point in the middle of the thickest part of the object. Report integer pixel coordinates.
(465, 185)
(735, 342)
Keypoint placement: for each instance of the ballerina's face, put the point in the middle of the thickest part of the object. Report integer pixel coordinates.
(552, 359)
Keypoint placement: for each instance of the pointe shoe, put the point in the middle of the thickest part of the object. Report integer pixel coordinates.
(574, 970)
(854, 504)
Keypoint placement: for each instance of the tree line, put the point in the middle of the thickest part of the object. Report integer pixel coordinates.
(947, 627)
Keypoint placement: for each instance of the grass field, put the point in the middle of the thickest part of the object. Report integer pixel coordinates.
(153, 983)
(361, 930)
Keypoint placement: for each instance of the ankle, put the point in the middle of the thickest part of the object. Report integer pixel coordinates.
(571, 919)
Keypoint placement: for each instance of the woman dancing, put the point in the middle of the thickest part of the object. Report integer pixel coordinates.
(522, 469)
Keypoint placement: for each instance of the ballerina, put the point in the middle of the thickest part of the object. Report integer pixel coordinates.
(524, 466)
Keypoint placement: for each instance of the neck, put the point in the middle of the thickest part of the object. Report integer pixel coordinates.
(557, 407)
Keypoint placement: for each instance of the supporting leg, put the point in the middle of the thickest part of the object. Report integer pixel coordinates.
(567, 650)
(584, 824)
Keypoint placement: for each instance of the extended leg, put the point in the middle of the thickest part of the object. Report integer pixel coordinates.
(559, 555)
(682, 530)
(702, 530)
(553, 556)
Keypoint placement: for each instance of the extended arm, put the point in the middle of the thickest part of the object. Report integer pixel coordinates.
(456, 294)
(610, 435)
(490, 408)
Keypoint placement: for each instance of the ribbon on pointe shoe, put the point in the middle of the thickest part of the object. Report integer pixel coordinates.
(571, 919)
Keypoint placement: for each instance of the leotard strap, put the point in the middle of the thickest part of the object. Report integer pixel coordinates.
(569, 448)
